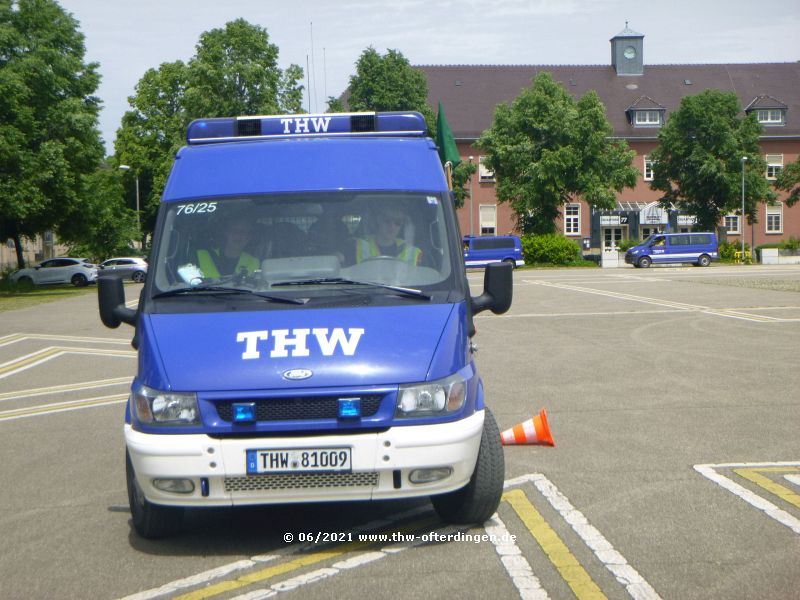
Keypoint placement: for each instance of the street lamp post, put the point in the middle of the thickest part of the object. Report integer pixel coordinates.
(741, 232)
(138, 218)
(471, 199)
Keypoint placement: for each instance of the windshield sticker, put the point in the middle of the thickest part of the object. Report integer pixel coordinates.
(282, 340)
(433, 201)
(196, 208)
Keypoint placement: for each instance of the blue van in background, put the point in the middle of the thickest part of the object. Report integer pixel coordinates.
(699, 248)
(484, 250)
(328, 356)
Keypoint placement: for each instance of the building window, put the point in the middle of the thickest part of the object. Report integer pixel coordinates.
(775, 218)
(572, 219)
(648, 231)
(732, 224)
(770, 116)
(647, 117)
(484, 173)
(774, 165)
(648, 169)
(488, 219)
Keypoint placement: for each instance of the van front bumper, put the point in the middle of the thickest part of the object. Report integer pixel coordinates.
(381, 465)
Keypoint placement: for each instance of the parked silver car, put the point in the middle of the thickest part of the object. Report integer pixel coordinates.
(131, 267)
(77, 271)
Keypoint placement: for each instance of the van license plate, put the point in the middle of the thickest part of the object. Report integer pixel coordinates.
(299, 460)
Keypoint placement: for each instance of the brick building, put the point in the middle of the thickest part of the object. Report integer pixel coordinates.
(638, 99)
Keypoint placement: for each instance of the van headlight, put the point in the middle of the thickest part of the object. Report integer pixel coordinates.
(434, 398)
(155, 407)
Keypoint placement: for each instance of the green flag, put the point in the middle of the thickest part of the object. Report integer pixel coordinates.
(448, 151)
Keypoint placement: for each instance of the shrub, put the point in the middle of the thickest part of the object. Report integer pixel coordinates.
(627, 244)
(728, 250)
(550, 248)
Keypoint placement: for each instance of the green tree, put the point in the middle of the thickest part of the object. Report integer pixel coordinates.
(389, 82)
(697, 163)
(789, 180)
(49, 138)
(112, 226)
(234, 72)
(547, 149)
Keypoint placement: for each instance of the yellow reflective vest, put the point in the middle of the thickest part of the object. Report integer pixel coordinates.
(205, 260)
(368, 248)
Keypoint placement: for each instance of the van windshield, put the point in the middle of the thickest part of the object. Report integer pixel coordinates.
(287, 244)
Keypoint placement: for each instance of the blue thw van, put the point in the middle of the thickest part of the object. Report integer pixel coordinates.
(304, 332)
(484, 250)
(700, 249)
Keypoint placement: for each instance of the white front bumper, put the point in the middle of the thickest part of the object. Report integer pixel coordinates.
(380, 461)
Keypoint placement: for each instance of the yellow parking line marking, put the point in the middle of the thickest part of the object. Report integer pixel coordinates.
(43, 409)
(69, 387)
(292, 565)
(768, 484)
(45, 354)
(29, 360)
(568, 566)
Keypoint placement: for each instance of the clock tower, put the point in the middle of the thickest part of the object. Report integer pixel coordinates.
(626, 52)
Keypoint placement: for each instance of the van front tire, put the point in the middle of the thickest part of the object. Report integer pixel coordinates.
(704, 261)
(645, 262)
(476, 502)
(151, 521)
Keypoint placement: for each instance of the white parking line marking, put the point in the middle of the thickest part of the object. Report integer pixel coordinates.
(69, 387)
(516, 565)
(34, 359)
(729, 313)
(19, 337)
(784, 518)
(49, 409)
(634, 583)
(795, 479)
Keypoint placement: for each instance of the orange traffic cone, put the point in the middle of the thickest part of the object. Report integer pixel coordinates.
(533, 431)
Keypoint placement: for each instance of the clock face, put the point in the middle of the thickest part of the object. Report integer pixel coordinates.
(629, 52)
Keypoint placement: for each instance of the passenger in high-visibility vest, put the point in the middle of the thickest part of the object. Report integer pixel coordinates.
(230, 258)
(390, 221)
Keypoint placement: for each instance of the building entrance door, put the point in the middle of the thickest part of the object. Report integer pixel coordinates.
(612, 236)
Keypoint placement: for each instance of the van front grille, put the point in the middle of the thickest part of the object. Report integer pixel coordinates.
(298, 408)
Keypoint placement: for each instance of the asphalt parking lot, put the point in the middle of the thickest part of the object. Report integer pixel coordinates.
(672, 395)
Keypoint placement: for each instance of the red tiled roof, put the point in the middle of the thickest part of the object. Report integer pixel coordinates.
(469, 93)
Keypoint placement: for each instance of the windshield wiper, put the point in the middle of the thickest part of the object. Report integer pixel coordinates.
(411, 292)
(221, 289)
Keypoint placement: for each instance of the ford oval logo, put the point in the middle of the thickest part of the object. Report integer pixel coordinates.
(297, 374)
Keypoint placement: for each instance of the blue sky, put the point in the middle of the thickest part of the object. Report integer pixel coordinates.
(129, 37)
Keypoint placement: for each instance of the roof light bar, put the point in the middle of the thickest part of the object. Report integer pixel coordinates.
(228, 129)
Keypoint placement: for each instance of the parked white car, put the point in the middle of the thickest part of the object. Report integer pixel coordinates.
(131, 267)
(77, 271)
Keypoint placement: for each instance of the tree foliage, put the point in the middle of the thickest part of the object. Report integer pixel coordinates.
(234, 72)
(389, 82)
(49, 140)
(697, 163)
(789, 180)
(112, 225)
(547, 149)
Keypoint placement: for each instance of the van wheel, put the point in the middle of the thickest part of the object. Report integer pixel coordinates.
(704, 261)
(510, 261)
(645, 262)
(478, 500)
(151, 521)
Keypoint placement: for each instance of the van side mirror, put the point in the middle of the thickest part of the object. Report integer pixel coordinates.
(498, 287)
(111, 300)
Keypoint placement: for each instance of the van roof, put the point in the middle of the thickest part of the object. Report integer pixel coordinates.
(305, 164)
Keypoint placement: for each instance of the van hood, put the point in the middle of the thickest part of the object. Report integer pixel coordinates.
(298, 348)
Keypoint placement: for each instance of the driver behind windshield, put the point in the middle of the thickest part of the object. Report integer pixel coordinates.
(228, 256)
(390, 221)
